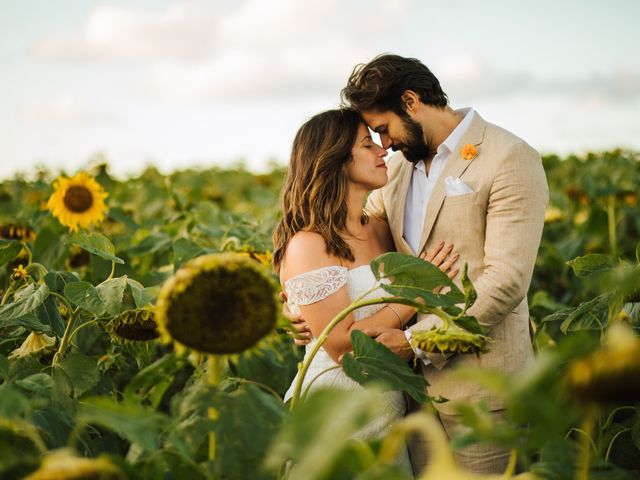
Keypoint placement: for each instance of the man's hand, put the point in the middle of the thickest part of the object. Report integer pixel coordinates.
(300, 333)
(393, 339)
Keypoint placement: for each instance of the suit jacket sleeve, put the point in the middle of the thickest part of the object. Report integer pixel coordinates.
(515, 218)
(375, 205)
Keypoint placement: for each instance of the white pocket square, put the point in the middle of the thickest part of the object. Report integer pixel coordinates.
(454, 187)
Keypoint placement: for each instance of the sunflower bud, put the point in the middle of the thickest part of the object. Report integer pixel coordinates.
(449, 340)
(218, 303)
(611, 374)
(136, 325)
(64, 465)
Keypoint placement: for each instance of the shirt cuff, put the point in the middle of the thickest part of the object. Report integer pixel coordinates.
(419, 353)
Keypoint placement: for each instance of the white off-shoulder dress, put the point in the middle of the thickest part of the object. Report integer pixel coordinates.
(316, 285)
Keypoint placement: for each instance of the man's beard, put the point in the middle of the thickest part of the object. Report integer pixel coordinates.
(415, 148)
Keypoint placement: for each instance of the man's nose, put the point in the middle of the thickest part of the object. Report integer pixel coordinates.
(385, 140)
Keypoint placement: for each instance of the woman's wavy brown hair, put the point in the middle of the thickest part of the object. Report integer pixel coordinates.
(314, 198)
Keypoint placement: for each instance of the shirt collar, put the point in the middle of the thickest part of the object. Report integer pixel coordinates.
(451, 142)
(456, 135)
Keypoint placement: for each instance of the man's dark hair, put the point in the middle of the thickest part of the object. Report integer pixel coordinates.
(379, 85)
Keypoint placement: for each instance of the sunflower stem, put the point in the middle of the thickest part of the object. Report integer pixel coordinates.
(586, 442)
(64, 300)
(113, 270)
(511, 466)
(91, 322)
(213, 379)
(64, 343)
(29, 252)
(611, 217)
(6, 296)
(306, 390)
(303, 367)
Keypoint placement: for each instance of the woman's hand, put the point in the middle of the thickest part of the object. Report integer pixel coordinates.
(443, 257)
(301, 333)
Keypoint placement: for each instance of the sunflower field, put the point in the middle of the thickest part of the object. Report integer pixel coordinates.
(141, 337)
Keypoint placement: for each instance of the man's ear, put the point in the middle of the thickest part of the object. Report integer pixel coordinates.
(410, 100)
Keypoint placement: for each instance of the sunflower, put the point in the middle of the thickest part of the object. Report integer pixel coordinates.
(611, 374)
(14, 231)
(218, 303)
(449, 340)
(64, 465)
(77, 201)
(135, 325)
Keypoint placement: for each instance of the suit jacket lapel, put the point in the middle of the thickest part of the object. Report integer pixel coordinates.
(455, 167)
(396, 216)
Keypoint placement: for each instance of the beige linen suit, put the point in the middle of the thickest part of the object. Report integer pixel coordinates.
(496, 230)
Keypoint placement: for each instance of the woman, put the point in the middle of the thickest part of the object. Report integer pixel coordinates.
(325, 241)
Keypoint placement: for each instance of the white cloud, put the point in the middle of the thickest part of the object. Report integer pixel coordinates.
(194, 51)
(468, 78)
(182, 31)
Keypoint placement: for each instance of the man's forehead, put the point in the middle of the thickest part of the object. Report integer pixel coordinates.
(374, 118)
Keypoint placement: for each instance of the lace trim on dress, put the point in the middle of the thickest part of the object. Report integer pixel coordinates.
(316, 285)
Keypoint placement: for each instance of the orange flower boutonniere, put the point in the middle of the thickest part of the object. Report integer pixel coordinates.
(469, 152)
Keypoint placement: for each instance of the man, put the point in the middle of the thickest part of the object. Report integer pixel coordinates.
(456, 178)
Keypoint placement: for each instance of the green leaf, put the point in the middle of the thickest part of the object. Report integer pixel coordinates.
(152, 382)
(56, 281)
(82, 371)
(48, 314)
(373, 362)
(111, 292)
(19, 454)
(48, 248)
(470, 294)
(155, 242)
(40, 383)
(4, 367)
(29, 321)
(247, 423)
(85, 295)
(9, 249)
(25, 303)
(135, 296)
(319, 431)
(132, 422)
(471, 324)
(97, 244)
(590, 264)
(591, 315)
(271, 363)
(414, 279)
(635, 429)
(141, 296)
(13, 403)
(184, 250)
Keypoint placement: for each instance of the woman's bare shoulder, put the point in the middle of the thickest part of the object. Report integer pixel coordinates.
(305, 251)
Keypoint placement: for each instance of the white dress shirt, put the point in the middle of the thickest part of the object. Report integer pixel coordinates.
(421, 188)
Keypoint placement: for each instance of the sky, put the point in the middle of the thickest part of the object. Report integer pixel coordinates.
(180, 83)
